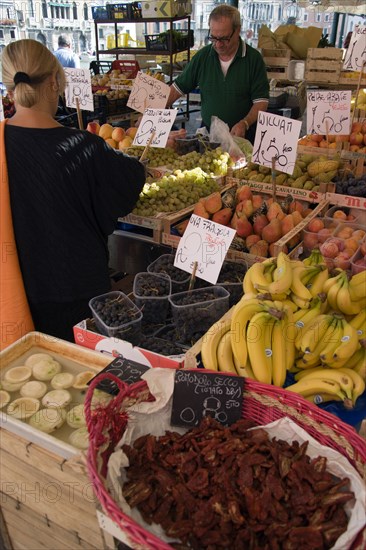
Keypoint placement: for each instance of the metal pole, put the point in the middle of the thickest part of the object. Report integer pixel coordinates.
(333, 32)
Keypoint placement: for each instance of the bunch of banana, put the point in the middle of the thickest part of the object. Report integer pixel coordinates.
(315, 258)
(359, 323)
(323, 384)
(348, 297)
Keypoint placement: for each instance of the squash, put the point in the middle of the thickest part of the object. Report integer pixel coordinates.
(320, 166)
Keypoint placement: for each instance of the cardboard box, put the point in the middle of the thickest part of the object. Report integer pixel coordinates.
(85, 336)
(165, 8)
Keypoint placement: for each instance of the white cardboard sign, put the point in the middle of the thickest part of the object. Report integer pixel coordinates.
(355, 57)
(148, 92)
(276, 137)
(78, 86)
(158, 122)
(207, 243)
(328, 112)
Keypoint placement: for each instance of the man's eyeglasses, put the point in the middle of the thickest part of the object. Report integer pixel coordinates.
(223, 40)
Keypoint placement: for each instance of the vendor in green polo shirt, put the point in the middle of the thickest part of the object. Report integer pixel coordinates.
(231, 76)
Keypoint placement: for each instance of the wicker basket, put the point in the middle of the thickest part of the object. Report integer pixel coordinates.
(262, 403)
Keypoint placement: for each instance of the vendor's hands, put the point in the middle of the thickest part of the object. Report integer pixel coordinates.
(239, 129)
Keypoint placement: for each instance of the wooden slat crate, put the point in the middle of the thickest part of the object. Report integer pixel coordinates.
(47, 500)
(277, 63)
(323, 65)
(351, 78)
(152, 225)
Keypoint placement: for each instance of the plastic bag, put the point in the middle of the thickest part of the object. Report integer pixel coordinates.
(220, 132)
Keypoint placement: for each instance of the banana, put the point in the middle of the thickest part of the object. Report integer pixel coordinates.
(355, 359)
(317, 282)
(242, 314)
(315, 346)
(299, 302)
(358, 285)
(310, 386)
(259, 342)
(358, 383)
(312, 333)
(245, 371)
(290, 337)
(330, 282)
(258, 276)
(360, 366)
(315, 258)
(333, 292)
(282, 277)
(359, 320)
(303, 317)
(344, 301)
(337, 375)
(210, 342)
(334, 338)
(348, 342)
(279, 363)
(318, 398)
(299, 276)
(225, 360)
(248, 285)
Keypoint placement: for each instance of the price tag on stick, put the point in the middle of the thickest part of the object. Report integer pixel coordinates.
(203, 247)
(148, 92)
(78, 87)
(355, 57)
(328, 112)
(158, 122)
(198, 394)
(276, 137)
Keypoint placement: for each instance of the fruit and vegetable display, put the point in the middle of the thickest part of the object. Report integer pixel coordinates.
(235, 487)
(296, 316)
(47, 396)
(309, 172)
(115, 136)
(259, 220)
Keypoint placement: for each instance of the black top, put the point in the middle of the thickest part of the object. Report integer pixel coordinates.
(67, 189)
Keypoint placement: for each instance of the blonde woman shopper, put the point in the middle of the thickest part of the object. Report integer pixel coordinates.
(62, 191)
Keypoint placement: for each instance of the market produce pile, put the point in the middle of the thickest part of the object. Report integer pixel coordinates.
(174, 192)
(296, 316)
(233, 487)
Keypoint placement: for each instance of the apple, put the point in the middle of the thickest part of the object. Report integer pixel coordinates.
(93, 127)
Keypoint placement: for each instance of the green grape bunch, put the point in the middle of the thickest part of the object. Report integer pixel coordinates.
(174, 192)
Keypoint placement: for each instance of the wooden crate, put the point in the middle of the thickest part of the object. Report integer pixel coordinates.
(152, 226)
(323, 65)
(47, 499)
(351, 78)
(277, 62)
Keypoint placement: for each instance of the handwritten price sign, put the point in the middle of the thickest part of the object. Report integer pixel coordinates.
(158, 122)
(78, 86)
(328, 112)
(276, 137)
(355, 58)
(148, 92)
(206, 243)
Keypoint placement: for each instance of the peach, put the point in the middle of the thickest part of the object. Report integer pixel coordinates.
(329, 249)
(351, 243)
(93, 127)
(342, 261)
(358, 234)
(296, 205)
(363, 248)
(344, 232)
(310, 240)
(213, 203)
(356, 127)
(339, 215)
(259, 249)
(315, 225)
(341, 138)
(118, 134)
(106, 131)
(112, 143)
(131, 132)
(223, 216)
(324, 234)
(125, 143)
